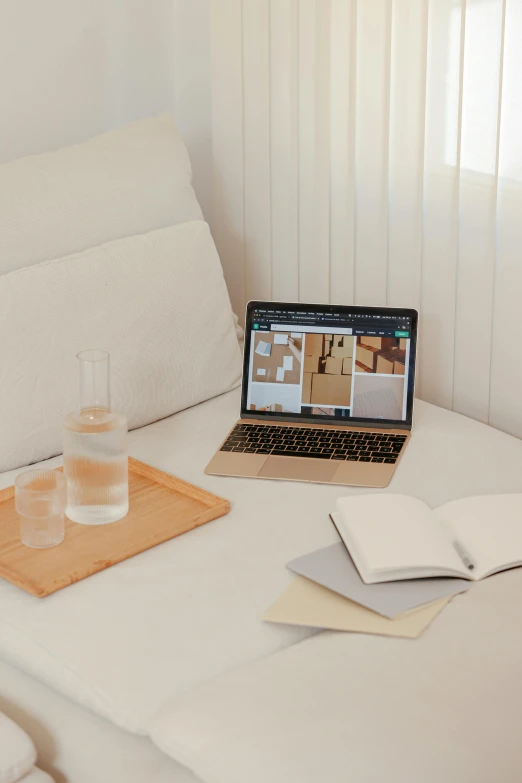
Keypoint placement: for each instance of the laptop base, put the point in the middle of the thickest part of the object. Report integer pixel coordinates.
(308, 469)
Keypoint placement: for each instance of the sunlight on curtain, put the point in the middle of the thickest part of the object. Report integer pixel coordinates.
(377, 149)
(481, 82)
(506, 369)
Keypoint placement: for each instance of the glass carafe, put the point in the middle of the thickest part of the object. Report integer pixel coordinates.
(95, 449)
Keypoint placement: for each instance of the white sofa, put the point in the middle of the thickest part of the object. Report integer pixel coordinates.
(160, 668)
(76, 746)
(18, 755)
(140, 644)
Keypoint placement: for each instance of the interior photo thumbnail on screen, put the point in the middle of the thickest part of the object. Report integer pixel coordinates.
(277, 357)
(271, 398)
(383, 355)
(328, 368)
(378, 397)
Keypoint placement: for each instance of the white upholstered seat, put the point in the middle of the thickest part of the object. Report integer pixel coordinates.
(133, 639)
(18, 755)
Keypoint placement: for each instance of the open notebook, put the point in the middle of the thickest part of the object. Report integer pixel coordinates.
(392, 537)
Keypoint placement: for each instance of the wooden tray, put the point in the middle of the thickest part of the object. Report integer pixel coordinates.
(161, 507)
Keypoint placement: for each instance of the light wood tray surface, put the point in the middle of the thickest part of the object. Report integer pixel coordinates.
(161, 507)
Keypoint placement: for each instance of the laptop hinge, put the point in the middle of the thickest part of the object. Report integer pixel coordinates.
(320, 422)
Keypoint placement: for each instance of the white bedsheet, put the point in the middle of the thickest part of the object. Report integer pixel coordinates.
(131, 639)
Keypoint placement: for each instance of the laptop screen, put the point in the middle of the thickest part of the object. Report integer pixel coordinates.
(313, 362)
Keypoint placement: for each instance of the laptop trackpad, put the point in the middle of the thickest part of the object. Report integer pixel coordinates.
(303, 469)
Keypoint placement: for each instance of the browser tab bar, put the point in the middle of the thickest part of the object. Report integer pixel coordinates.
(308, 329)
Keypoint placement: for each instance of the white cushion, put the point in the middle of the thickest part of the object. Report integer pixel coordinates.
(348, 707)
(127, 181)
(79, 745)
(132, 638)
(17, 752)
(158, 302)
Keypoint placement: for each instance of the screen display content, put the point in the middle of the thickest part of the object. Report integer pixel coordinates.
(345, 365)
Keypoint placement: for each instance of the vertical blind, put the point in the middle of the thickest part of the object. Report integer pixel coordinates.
(369, 152)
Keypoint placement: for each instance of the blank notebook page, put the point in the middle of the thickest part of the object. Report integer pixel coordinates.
(396, 532)
(489, 526)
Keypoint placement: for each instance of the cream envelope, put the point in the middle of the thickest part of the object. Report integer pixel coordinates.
(307, 603)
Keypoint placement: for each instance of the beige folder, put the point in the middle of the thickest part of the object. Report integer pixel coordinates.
(306, 603)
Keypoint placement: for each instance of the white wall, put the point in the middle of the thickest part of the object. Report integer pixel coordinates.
(70, 69)
(192, 92)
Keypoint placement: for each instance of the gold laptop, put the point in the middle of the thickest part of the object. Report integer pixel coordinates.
(327, 394)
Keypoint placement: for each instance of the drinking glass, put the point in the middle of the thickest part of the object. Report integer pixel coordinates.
(40, 499)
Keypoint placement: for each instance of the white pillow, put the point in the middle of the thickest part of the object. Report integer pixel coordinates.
(124, 182)
(157, 302)
(17, 752)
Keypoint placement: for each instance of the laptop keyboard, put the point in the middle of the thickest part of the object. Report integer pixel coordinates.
(317, 443)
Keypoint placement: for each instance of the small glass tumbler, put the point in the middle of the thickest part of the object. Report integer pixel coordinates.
(40, 500)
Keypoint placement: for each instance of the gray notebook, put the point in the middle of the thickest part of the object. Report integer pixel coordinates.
(333, 568)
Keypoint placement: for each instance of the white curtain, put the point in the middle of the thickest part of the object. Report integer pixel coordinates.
(370, 152)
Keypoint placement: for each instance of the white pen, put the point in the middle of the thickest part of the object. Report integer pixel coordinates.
(464, 555)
